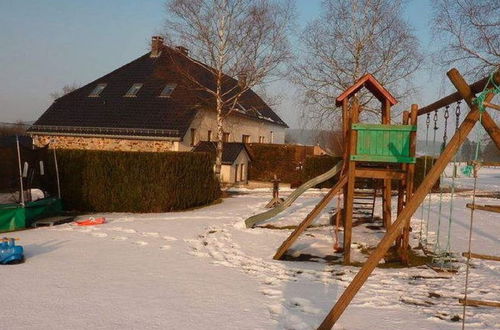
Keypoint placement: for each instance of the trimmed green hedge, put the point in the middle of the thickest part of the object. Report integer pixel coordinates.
(317, 165)
(109, 181)
(284, 161)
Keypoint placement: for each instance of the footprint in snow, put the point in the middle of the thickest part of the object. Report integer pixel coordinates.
(128, 231)
(151, 234)
(120, 238)
(165, 247)
(141, 243)
(99, 234)
(169, 238)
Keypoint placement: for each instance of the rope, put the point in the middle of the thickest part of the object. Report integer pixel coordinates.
(471, 223)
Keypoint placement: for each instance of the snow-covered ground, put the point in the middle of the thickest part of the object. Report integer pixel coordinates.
(202, 269)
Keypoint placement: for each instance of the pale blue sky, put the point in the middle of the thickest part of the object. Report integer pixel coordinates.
(47, 44)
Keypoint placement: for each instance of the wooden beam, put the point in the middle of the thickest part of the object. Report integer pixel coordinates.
(310, 218)
(379, 173)
(489, 208)
(480, 256)
(491, 105)
(418, 197)
(472, 302)
(476, 87)
(491, 127)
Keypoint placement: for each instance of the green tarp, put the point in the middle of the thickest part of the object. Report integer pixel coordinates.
(15, 217)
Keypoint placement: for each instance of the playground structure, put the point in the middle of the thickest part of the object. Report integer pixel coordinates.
(24, 171)
(392, 149)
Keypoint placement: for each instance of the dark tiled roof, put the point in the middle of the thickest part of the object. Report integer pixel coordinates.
(147, 114)
(230, 150)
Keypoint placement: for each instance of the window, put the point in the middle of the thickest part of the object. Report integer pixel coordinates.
(209, 136)
(242, 167)
(262, 139)
(97, 90)
(245, 138)
(167, 90)
(272, 137)
(225, 137)
(132, 92)
(236, 173)
(193, 134)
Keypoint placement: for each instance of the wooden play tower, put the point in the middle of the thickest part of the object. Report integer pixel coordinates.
(382, 152)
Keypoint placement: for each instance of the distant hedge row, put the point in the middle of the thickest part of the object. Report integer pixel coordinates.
(109, 181)
(316, 165)
(284, 161)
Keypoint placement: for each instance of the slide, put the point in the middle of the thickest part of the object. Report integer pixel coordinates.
(255, 219)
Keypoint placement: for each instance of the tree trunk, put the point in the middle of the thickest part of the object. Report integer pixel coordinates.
(220, 135)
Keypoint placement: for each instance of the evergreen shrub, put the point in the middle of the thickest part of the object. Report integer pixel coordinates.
(113, 181)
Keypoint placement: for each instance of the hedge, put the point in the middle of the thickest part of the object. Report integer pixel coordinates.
(316, 165)
(111, 181)
(284, 161)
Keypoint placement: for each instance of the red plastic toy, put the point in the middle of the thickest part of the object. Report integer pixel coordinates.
(91, 222)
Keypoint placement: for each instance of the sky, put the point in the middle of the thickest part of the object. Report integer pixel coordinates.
(47, 44)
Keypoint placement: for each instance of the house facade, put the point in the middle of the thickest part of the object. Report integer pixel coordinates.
(147, 105)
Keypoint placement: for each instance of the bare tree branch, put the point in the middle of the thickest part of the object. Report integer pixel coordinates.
(352, 38)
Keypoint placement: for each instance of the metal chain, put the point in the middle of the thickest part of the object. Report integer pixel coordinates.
(446, 116)
(423, 241)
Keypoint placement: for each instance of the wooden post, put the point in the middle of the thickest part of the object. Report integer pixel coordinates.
(387, 190)
(345, 121)
(418, 197)
(351, 179)
(402, 183)
(410, 174)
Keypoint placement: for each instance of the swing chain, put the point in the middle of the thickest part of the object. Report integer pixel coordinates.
(428, 120)
(435, 118)
(446, 116)
(457, 114)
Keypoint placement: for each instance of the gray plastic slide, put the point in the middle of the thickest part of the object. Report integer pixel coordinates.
(255, 219)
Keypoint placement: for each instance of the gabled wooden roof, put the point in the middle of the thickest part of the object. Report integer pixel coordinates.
(372, 85)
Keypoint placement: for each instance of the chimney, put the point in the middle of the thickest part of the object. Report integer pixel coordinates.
(156, 46)
(183, 50)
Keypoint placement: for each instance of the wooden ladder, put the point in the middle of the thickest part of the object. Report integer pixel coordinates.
(363, 205)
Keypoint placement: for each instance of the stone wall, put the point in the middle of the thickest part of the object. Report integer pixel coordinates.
(108, 144)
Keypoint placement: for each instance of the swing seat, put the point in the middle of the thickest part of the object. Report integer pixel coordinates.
(10, 253)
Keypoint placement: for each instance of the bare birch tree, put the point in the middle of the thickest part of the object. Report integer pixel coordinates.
(349, 39)
(469, 35)
(233, 39)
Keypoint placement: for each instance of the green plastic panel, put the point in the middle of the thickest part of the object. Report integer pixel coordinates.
(15, 217)
(383, 143)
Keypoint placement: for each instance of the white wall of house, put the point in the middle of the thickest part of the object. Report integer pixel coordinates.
(236, 126)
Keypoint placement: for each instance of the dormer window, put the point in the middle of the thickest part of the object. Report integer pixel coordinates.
(167, 90)
(97, 90)
(132, 92)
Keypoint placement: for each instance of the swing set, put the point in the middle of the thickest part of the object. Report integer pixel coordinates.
(487, 89)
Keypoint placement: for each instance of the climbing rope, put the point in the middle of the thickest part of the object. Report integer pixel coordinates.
(422, 241)
(471, 221)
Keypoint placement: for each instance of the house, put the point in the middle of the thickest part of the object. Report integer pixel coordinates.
(147, 105)
(235, 160)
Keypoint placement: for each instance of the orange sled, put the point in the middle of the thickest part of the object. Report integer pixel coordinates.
(91, 222)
